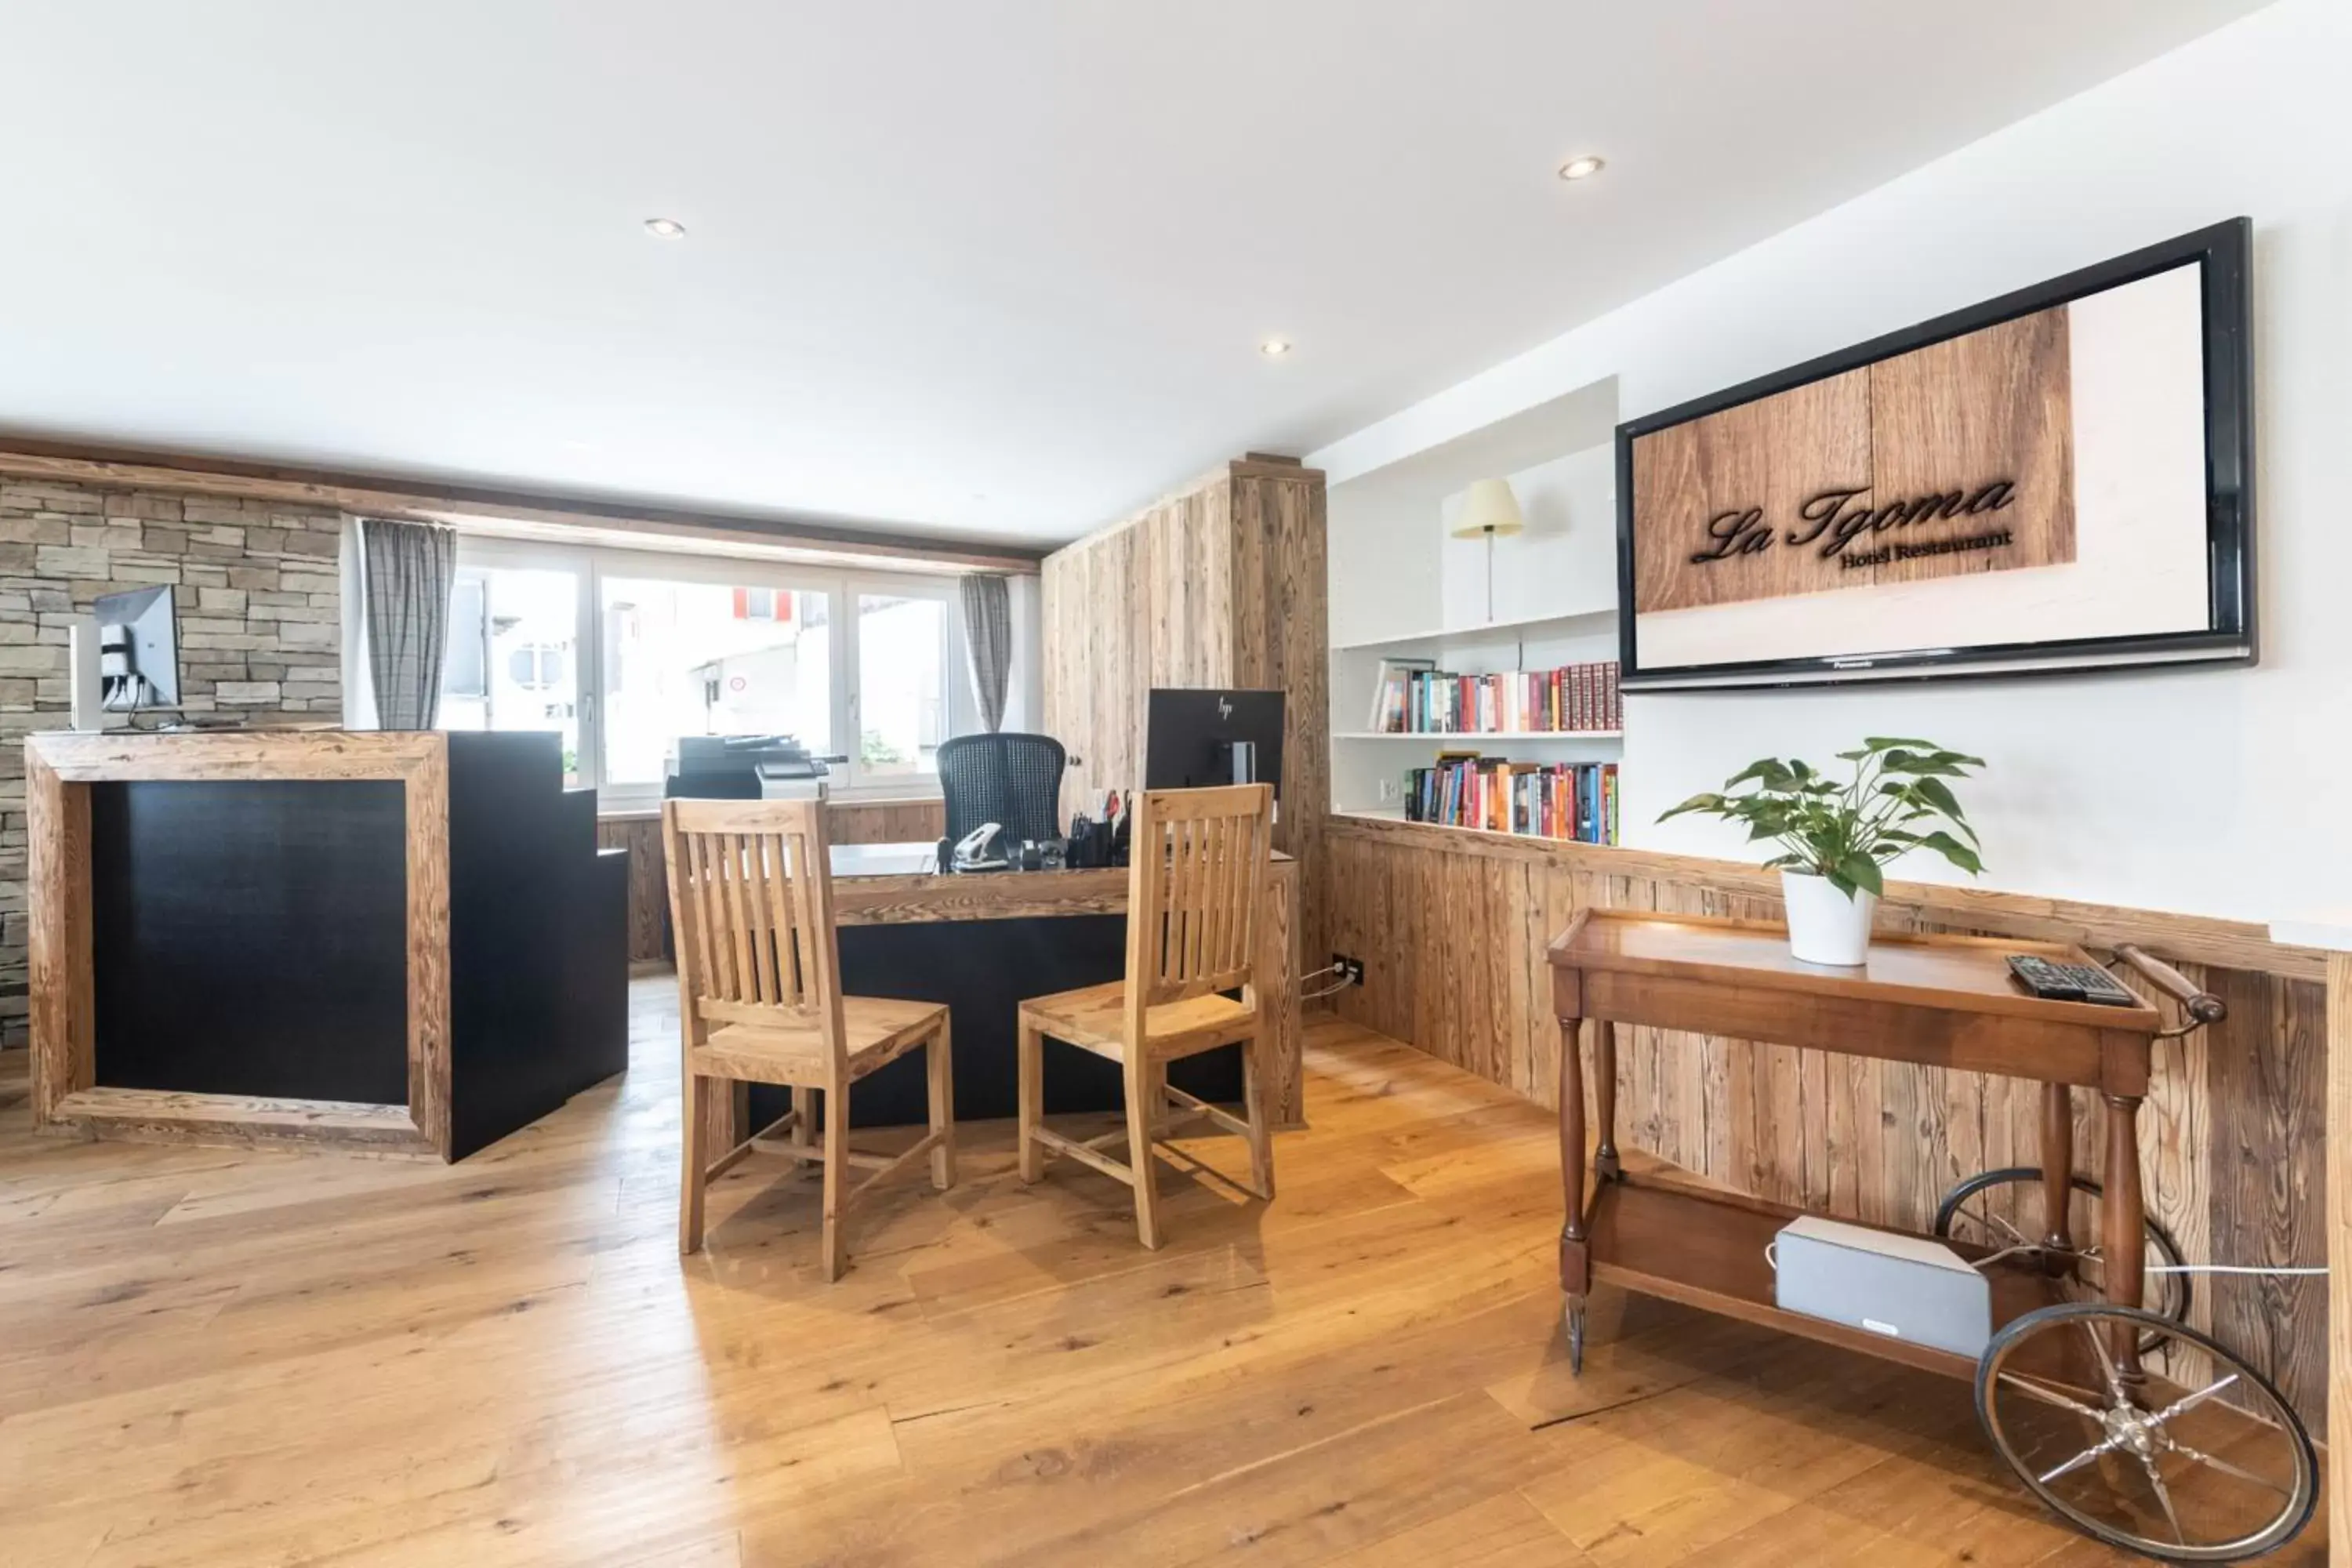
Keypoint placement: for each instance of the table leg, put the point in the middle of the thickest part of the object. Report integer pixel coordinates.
(1604, 1090)
(1575, 1262)
(2058, 1175)
(2123, 1227)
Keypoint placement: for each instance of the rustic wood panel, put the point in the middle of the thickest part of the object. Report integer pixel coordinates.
(1994, 404)
(923, 900)
(60, 769)
(257, 1122)
(426, 793)
(886, 821)
(2338, 1508)
(1452, 925)
(1223, 583)
(1280, 641)
(57, 904)
(1771, 456)
(639, 833)
(1764, 499)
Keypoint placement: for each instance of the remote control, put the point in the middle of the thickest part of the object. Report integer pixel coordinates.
(2070, 982)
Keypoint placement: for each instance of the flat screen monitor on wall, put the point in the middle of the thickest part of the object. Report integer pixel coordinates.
(2058, 480)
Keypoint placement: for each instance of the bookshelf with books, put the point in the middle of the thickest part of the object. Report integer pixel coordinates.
(1539, 697)
(1456, 661)
(1413, 697)
(1575, 800)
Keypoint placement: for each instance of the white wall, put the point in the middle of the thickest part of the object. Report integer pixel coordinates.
(1565, 563)
(2217, 792)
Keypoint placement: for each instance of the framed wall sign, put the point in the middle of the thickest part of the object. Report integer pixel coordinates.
(2057, 479)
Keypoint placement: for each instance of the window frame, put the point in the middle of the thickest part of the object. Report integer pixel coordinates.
(896, 782)
(592, 564)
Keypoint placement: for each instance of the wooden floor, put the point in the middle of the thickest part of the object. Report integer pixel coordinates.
(210, 1357)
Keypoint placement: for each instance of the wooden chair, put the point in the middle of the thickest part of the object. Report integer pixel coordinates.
(1195, 915)
(758, 993)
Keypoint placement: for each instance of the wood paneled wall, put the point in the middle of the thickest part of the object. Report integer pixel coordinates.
(848, 821)
(886, 821)
(639, 833)
(1452, 925)
(1223, 583)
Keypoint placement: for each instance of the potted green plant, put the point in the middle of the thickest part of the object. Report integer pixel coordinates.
(1835, 835)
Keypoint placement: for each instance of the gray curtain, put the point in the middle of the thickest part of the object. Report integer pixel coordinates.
(988, 633)
(407, 569)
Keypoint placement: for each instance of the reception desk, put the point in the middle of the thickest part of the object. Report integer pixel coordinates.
(406, 941)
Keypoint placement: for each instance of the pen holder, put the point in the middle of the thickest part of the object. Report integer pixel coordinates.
(1090, 846)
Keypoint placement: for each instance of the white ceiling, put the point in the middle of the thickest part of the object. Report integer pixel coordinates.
(939, 250)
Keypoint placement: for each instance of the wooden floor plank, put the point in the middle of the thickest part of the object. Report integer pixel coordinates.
(1500, 1531)
(212, 1359)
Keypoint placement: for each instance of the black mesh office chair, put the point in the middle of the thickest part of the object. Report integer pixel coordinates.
(1014, 781)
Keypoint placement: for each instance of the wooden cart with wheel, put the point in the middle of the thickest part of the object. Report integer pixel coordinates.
(2135, 1428)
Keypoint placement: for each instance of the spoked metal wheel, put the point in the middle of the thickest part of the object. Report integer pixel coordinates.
(2211, 1469)
(2002, 1209)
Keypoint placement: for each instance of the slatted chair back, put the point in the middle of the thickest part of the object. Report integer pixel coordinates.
(1196, 891)
(752, 904)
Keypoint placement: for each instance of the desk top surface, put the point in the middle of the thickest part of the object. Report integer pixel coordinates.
(1953, 972)
(922, 858)
(884, 859)
(873, 886)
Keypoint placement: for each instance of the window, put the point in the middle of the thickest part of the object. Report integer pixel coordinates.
(709, 658)
(623, 651)
(901, 702)
(513, 632)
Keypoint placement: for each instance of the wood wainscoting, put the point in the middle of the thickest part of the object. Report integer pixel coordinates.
(1451, 925)
(912, 821)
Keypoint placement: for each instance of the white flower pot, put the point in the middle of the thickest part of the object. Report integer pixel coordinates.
(1824, 925)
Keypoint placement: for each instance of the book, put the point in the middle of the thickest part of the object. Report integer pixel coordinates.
(1413, 697)
(1389, 693)
(1542, 800)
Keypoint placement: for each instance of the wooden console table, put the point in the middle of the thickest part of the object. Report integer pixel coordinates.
(2072, 1395)
(1937, 1001)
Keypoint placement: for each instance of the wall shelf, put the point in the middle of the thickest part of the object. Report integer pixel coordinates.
(1586, 620)
(1479, 735)
(1393, 816)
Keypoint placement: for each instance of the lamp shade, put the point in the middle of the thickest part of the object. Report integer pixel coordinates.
(1489, 508)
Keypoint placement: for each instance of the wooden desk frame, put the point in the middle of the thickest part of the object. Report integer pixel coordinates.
(1614, 1223)
(66, 1098)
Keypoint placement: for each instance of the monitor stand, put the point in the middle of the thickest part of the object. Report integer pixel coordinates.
(87, 688)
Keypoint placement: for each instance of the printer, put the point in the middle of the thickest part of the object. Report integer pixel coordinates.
(745, 767)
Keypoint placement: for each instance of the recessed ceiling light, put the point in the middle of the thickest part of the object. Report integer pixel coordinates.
(1582, 168)
(1275, 348)
(666, 228)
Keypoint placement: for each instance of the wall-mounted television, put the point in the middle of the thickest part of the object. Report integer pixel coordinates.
(2058, 480)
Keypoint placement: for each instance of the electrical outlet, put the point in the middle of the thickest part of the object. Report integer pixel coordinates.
(1351, 970)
